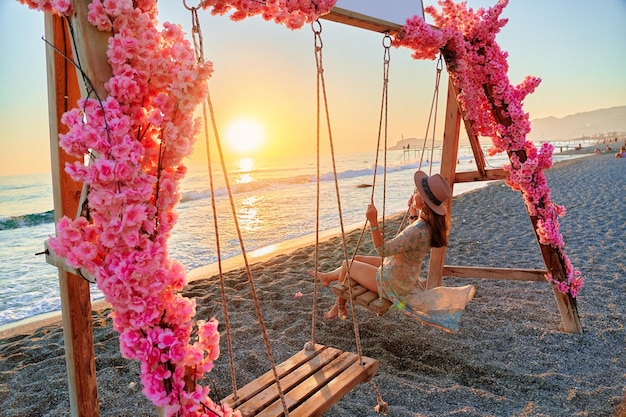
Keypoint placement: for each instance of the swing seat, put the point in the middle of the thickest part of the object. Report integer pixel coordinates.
(362, 296)
(312, 381)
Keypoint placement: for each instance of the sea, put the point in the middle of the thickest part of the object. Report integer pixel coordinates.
(274, 201)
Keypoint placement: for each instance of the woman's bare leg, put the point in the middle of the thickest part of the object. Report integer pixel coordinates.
(338, 274)
(363, 270)
(338, 309)
(364, 274)
(326, 278)
(369, 259)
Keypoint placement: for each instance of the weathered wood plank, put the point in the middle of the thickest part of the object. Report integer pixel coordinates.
(267, 379)
(306, 387)
(489, 175)
(311, 381)
(260, 402)
(351, 18)
(537, 275)
(63, 92)
(336, 388)
(362, 296)
(61, 263)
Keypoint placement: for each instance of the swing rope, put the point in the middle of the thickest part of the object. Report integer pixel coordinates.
(321, 93)
(433, 107)
(382, 127)
(383, 122)
(197, 40)
(316, 26)
(199, 51)
(383, 112)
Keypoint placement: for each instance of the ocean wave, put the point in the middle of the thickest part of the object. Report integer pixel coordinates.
(287, 181)
(26, 220)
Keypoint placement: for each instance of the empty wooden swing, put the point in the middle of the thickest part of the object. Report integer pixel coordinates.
(311, 382)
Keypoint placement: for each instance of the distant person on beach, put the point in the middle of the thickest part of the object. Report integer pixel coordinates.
(621, 153)
(395, 274)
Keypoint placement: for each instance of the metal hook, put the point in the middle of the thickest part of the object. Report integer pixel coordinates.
(387, 41)
(191, 9)
(316, 26)
(317, 30)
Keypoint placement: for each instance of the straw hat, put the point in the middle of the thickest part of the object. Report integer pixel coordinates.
(434, 190)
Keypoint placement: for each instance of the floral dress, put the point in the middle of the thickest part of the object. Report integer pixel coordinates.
(399, 281)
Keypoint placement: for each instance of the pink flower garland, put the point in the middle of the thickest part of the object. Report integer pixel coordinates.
(478, 65)
(292, 13)
(141, 134)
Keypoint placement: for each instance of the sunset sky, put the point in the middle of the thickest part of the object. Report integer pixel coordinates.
(265, 74)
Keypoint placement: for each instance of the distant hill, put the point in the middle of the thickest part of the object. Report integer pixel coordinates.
(587, 124)
(577, 125)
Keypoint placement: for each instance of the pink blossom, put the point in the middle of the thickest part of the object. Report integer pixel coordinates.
(98, 17)
(562, 287)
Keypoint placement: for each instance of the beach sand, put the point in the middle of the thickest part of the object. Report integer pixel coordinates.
(510, 357)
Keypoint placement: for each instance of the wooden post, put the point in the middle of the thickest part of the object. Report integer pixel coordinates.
(63, 91)
(449, 153)
(551, 256)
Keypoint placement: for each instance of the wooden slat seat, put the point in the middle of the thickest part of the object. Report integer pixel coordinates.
(362, 296)
(312, 381)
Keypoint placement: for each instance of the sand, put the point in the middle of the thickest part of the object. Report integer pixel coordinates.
(510, 357)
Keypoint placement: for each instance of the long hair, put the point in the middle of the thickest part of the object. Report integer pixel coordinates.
(440, 225)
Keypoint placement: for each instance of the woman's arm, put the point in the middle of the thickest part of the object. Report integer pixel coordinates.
(372, 216)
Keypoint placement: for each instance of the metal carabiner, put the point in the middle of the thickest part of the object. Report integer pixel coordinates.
(191, 9)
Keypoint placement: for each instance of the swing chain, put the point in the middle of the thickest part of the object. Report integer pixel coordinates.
(386, 56)
(316, 26)
(440, 63)
(433, 109)
(196, 33)
(191, 9)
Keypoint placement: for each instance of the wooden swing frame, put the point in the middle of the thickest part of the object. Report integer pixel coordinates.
(64, 88)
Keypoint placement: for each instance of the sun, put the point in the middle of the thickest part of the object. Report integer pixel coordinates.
(245, 135)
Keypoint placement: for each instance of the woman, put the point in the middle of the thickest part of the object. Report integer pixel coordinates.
(398, 277)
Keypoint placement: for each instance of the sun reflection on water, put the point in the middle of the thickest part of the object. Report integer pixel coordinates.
(245, 166)
(248, 214)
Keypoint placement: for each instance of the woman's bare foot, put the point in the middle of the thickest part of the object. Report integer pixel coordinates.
(325, 278)
(336, 311)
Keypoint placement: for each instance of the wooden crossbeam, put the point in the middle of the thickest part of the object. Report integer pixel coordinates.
(359, 20)
(61, 263)
(536, 275)
(312, 381)
(362, 296)
(485, 175)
